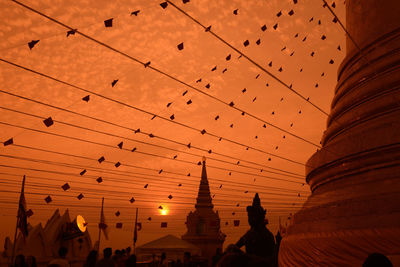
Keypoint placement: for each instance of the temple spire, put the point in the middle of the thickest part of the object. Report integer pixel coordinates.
(203, 224)
(204, 195)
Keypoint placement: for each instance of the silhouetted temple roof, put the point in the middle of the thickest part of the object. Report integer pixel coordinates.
(204, 195)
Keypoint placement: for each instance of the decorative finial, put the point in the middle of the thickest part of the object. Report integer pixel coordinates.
(203, 159)
(256, 201)
(255, 212)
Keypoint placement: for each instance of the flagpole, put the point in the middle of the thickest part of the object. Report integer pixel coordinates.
(135, 234)
(101, 214)
(16, 226)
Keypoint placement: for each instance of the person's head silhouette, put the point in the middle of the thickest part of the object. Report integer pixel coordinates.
(163, 256)
(186, 257)
(62, 252)
(377, 260)
(107, 252)
(19, 261)
(91, 258)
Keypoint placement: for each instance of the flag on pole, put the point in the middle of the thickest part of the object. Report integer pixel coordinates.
(22, 222)
(102, 225)
(136, 226)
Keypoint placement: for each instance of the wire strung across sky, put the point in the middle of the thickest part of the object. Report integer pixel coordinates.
(134, 166)
(117, 188)
(36, 187)
(84, 27)
(361, 52)
(43, 189)
(144, 153)
(207, 29)
(128, 174)
(126, 195)
(147, 65)
(150, 113)
(130, 182)
(288, 174)
(147, 181)
(343, 27)
(262, 68)
(138, 131)
(227, 225)
(95, 205)
(130, 221)
(178, 204)
(147, 178)
(118, 193)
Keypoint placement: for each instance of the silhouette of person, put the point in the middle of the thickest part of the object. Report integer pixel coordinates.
(61, 261)
(117, 255)
(259, 241)
(31, 261)
(233, 257)
(123, 258)
(106, 261)
(131, 261)
(163, 260)
(187, 259)
(91, 259)
(19, 261)
(377, 260)
(119, 258)
(178, 263)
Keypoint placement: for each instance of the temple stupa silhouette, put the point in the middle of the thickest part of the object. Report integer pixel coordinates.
(203, 225)
(354, 209)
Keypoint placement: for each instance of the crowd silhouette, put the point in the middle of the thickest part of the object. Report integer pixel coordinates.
(233, 256)
(261, 250)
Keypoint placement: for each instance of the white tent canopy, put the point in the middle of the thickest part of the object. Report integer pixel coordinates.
(173, 247)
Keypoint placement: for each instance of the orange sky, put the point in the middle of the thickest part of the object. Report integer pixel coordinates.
(153, 36)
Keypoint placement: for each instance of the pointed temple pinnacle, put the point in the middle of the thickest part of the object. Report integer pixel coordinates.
(256, 200)
(204, 195)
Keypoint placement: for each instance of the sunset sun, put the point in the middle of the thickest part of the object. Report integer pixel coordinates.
(163, 210)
